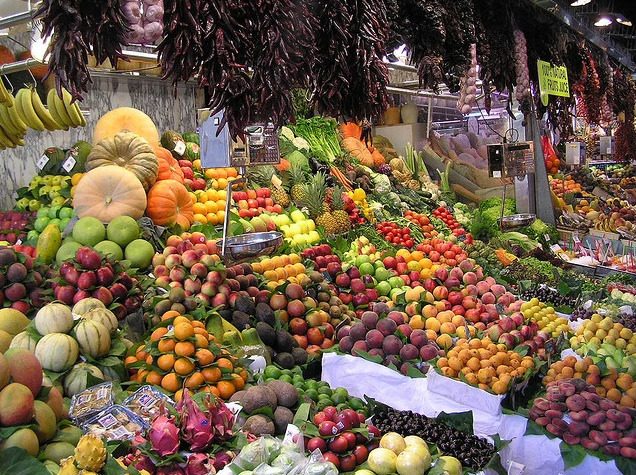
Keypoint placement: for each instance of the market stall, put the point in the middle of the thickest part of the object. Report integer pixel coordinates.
(284, 237)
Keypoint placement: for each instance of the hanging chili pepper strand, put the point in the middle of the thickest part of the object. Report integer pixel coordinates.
(283, 49)
(106, 28)
(460, 34)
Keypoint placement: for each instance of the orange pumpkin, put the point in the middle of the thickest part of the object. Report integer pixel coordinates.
(169, 168)
(169, 203)
(378, 158)
(351, 129)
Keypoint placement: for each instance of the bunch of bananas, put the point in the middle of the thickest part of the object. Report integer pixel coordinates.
(26, 110)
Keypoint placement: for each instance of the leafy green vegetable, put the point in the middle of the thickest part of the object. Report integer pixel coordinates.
(299, 158)
(513, 238)
(321, 135)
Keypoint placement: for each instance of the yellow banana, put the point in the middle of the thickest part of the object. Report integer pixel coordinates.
(72, 109)
(6, 122)
(15, 118)
(43, 114)
(6, 97)
(30, 118)
(82, 118)
(5, 141)
(57, 109)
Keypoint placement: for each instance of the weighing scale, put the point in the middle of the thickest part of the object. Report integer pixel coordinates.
(218, 150)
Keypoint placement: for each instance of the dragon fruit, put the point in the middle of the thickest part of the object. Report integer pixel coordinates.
(196, 428)
(172, 469)
(90, 453)
(222, 459)
(198, 464)
(144, 463)
(164, 436)
(222, 419)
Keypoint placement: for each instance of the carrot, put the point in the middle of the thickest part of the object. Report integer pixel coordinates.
(338, 175)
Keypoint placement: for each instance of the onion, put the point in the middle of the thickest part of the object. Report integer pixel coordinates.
(154, 13)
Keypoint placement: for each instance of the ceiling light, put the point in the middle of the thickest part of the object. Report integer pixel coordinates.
(623, 21)
(580, 3)
(603, 20)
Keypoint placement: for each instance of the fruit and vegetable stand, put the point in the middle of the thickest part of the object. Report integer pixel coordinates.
(366, 310)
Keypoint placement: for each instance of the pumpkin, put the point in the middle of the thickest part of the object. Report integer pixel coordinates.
(76, 380)
(359, 150)
(378, 158)
(53, 318)
(103, 316)
(57, 352)
(351, 129)
(129, 151)
(169, 168)
(93, 338)
(108, 192)
(126, 118)
(24, 340)
(169, 203)
(86, 305)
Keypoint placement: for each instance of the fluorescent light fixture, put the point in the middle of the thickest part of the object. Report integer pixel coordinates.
(603, 20)
(579, 3)
(623, 21)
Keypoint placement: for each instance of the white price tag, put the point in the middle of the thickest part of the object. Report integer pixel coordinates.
(68, 164)
(547, 237)
(180, 147)
(41, 163)
(496, 174)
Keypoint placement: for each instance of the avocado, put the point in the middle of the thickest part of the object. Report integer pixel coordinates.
(241, 320)
(266, 332)
(284, 341)
(245, 304)
(264, 313)
(282, 418)
(284, 360)
(300, 356)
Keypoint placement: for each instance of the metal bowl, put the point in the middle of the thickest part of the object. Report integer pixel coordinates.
(248, 246)
(515, 221)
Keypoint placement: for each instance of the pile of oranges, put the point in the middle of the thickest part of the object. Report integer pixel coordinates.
(484, 364)
(419, 261)
(278, 269)
(217, 177)
(552, 164)
(615, 386)
(559, 187)
(184, 356)
(423, 221)
(209, 206)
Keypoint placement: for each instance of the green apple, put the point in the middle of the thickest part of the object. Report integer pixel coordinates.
(396, 282)
(41, 223)
(365, 268)
(362, 259)
(34, 205)
(382, 274)
(65, 212)
(53, 211)
(383, 288)
(42, 212)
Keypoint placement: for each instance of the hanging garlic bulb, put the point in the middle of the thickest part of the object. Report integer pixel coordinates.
(468, 86)
(521, 67)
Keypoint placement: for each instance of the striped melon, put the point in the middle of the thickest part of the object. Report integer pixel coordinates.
(93, 338)
(24, 340)
(53, 318)
(76, 380)
(103, 316)
(57, 352)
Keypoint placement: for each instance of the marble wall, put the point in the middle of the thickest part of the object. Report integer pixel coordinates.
(108, 91)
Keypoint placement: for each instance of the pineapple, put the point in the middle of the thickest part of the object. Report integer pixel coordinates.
(339, 214)
(90, 453)
(266, 177)
(297, 178)
(316, 191)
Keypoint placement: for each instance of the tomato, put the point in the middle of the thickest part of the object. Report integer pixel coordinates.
(389, 236)
(408, 243)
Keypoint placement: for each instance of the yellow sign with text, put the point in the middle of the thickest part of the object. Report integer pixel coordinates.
(553, 80)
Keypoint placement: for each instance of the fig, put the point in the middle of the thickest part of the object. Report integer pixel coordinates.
(559, 406)
(598, 437)
(589, 444)
(571, 439)
(612, 414)
(534, 414)
(623, 425)
(579, 428)
(576, 402)
(578, 416)
(628, 452)
(612, 449)
(627, 442)
(607, 425)
(567, 389)
(596, 418)
(630, 411)
(605, 404)
(552, 414)
(554, 430)
(542, 404)
(542, 421)
(555, 395)
(592, 406)
(579, 384)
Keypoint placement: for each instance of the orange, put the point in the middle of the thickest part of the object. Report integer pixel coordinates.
(166, 344)
(211, 207)
(226, 389)
(184, 348)
(183, 366)
(199, 208)
(154, 378)
(130, 360)
(197, 324)
(500, 387)
(171, 382)
(149, 359)
(211, 374)
(202, 340)
(181, 319)
(614, 394)
(141, 353)
(569, 361)
(183, 330)
(158, 333)
(213, 218)
(200, 218)
(257, 267)
(204, 357)
(141, 375)
(220, 214)
(221, 172)
(214, 390)
(295, 258)
(179, 394)
(225, 363)
(238, 381)
(194, 381)
(170, 314)
(627, 401)
(166, 362)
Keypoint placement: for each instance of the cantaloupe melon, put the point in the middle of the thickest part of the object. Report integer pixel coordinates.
(13, 321)
(126, 118)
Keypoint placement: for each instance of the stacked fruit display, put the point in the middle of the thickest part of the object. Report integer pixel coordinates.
(598, 330)
(361, 246)
(423, 221)
(339, 441)
(186, 357)
(298, 229)
(395, 234)
(59, 215)
(30, 411)
(14, 226)
(572, 410)
(546, 317)
(208, 206)
(321, 255)
(515, 331)
(21, 281)
(390, 338)
(449, 220)
(252, 203)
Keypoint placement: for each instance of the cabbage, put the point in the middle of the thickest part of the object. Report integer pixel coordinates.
(299, 158)
(381, 182)
(287, 133)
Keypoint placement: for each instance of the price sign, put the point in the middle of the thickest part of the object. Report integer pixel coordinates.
(180, 147)
(41, 163)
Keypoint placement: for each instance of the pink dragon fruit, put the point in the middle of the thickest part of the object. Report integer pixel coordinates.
(196, 428)
(144, 463)
(222, 419)
(222, 459)
(172, 469)
(164, 436)
(198, 464)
